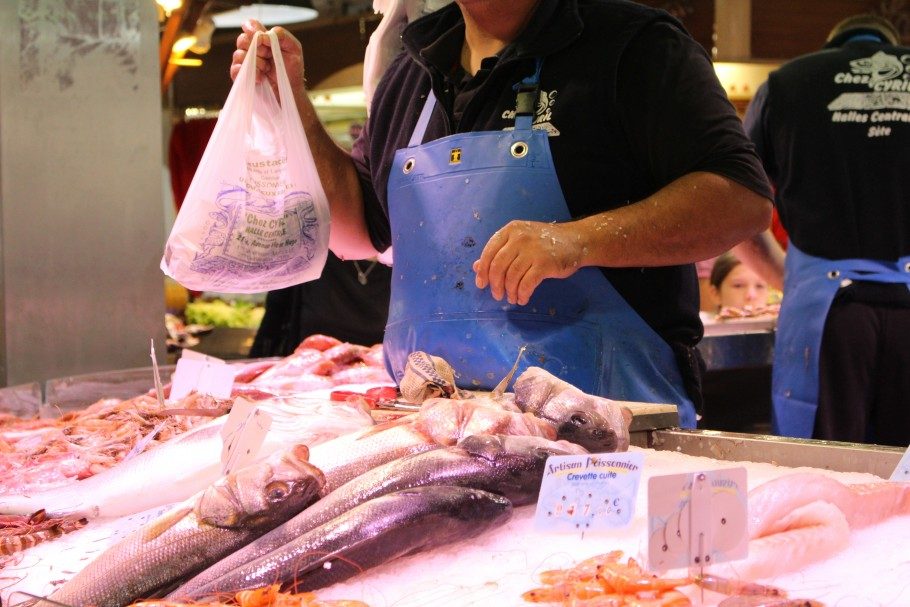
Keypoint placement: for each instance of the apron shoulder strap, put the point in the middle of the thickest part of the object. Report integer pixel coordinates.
(420, 128)
(528, 91)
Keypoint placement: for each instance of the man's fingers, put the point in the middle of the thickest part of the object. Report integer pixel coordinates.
(481, 267)
(514, 276)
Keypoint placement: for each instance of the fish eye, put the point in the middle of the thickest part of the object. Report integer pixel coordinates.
(578, 419)
(276, 490)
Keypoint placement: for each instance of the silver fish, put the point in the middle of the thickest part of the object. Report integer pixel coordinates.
(596, 423)
(373, 533)
(212, 524)
(347, 457)
(511, 466)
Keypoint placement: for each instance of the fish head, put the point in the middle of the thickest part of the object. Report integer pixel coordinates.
(516, 463)
(278, 487)
(598, 431)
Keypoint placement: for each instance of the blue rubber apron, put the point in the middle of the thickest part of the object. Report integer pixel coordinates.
(446, 199)
(809, 288)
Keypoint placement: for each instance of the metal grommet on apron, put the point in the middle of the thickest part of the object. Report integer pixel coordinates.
(519, 149)
(408, 166)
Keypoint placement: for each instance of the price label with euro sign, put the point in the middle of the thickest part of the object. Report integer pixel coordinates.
(592, 492)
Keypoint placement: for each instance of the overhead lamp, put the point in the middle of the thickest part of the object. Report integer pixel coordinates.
(183, 44)
(267, 13)
(185, 62)
(169, 6)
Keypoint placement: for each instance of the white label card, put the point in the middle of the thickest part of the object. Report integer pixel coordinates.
(202, 374)
(901, 474)
(696, 520)
(243, 433)
(592, 492)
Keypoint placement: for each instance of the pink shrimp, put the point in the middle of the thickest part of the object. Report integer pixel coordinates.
(731, 587)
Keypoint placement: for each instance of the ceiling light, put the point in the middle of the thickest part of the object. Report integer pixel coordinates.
(267, 14)
(169, 6)
(184, 62)
(183, 44)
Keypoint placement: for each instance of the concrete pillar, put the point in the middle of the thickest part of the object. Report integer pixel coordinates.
(81, 216)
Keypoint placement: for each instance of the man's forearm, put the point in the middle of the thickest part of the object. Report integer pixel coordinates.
(698, 216)
(349, 236)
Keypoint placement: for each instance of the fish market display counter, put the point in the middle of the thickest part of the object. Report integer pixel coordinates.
(738, 355)
(496, 568)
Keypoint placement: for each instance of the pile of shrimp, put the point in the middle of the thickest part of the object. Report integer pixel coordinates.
(269, 596)
(604, 581)
(18, 532)
(40, 454)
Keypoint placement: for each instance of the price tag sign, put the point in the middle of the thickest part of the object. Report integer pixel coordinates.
(696, 520)
(592, 492)
(243, 433)
(901, 474)
(202, 374)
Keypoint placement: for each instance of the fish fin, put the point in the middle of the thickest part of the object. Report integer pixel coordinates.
(167, 520)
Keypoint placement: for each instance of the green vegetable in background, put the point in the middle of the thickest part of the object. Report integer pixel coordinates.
(218, 313)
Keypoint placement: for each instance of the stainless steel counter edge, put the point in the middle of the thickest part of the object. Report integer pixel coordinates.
(782, 451)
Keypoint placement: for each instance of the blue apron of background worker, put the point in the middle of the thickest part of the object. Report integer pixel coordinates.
(810, 286)
(447, 198)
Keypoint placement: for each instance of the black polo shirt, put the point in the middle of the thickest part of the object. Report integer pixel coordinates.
(631, 103)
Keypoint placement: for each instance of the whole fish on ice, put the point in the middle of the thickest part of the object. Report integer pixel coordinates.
(440, 422)
(179, 468)
(375, 532)
(598, 424)
(511, 466)
(211, 525)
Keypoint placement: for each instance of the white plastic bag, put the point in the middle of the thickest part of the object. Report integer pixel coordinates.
(255, 217)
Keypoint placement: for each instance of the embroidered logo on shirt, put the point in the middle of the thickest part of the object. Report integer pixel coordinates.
(888, 100)
(543, 114)
(455, 156)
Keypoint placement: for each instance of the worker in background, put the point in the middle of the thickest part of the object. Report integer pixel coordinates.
(833, 131)
(547, 172)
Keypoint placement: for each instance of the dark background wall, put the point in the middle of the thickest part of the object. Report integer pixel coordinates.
(780, 29)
